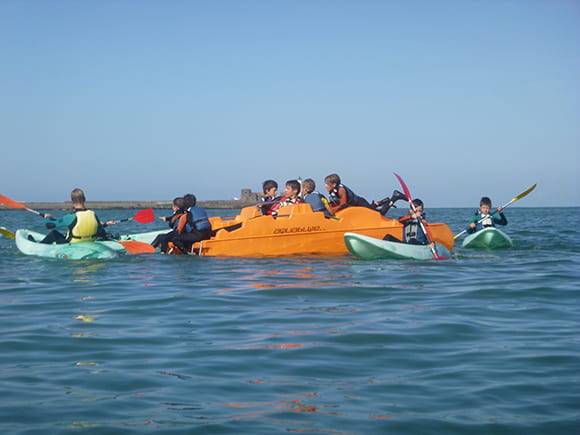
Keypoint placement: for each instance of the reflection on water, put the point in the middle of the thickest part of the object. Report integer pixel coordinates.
(325, 273)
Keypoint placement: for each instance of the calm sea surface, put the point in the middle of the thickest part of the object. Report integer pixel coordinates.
(487, 343)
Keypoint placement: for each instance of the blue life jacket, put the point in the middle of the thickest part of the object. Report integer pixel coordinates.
(199, 219)
(315, 201)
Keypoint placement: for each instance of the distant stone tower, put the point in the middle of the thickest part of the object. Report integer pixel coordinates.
(249, 196)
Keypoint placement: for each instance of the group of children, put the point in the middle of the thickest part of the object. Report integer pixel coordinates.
(341, 197)
(190, 224)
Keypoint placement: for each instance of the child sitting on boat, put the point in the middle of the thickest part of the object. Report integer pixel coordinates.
(193, 227)
(342, 197)
(483, 219)
(290, 197)
(412, 230)
(270, 190)
(162, 240)
(317, 201)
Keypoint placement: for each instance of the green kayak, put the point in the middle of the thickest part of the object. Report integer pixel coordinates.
(488, 238)
(369, 248)
(66, 251)
(147, 237)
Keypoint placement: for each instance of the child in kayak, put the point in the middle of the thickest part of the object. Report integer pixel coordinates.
(82, 224)
(412, 231)
(290, 197)
(483, 219)
(317, 201)
(162, 240)
(270, 189)
(193, 227)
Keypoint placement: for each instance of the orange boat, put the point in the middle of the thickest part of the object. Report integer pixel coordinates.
(297, 230)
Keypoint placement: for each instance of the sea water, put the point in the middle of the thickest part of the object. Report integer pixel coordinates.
(485, 343)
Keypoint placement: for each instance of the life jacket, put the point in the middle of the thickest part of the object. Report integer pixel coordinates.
(316, 201)
(284, 201)
(195, 218)
(85, 227)
(351, 197)
(174, 222)
(484, 221)
(412, 231)
(269, 203)
(199, 219)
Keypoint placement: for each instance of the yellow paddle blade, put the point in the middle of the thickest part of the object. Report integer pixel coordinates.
(6, 233)
(521, 195)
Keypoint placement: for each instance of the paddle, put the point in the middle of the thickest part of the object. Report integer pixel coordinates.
(143, 217)
(423, 227)
(14, 204)
(132, 246)
(520, 196)
(6, 233)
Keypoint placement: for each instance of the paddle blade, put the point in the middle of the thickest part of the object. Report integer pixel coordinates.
(436, 256)
(405, 188)
(144, 216)
(11, 203)
(135, 247)
(521, 195)
(6, 233)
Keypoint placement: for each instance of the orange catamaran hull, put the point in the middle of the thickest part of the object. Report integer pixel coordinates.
(297, 230)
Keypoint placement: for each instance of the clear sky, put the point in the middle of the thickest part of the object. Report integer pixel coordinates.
(148, 100)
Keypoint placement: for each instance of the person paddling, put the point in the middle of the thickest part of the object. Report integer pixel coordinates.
(412, 231)
(483, 219)
(82, 224)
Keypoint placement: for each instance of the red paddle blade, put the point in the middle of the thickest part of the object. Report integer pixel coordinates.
(11, 203)
(436, 256)
(405, 188)
(144, 216)
(135, 247)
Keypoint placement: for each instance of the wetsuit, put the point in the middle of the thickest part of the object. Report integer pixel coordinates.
(162, 240)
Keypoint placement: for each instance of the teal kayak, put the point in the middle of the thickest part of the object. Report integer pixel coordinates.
(369, 248)
(66, 251)
(147, 237)
(488, 238)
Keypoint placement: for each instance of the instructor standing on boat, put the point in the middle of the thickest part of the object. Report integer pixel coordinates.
(82, 224)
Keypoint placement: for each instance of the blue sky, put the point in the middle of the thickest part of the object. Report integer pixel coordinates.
(147, 100)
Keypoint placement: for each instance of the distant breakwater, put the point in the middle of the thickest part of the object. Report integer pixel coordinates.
(247, 198)
(99, 205)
